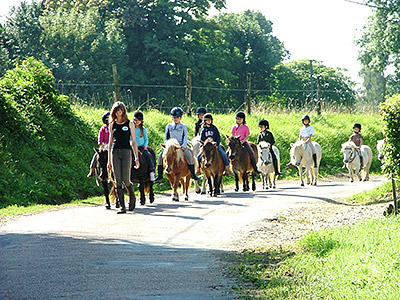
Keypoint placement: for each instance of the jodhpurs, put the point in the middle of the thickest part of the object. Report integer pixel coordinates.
(121, 165)
(311, 146)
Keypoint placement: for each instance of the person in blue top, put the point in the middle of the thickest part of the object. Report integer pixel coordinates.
(177, 130)
(142, 140)
(210, 130)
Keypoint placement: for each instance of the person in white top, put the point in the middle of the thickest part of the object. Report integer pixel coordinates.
(306, 133)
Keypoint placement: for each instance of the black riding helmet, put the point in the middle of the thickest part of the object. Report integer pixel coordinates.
(357, 125)
(201, 110)
(105, 117)
(264, 122)
(208, 116)
(138, 115)
(177, 112)
(306, 117)
(241, 114)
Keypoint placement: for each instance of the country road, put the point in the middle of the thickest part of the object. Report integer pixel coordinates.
(164, 250)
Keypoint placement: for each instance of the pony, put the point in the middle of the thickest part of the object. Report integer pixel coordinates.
(102, 174)
(142, 176)
(265, 165)
(379, 146)
(176, 168)
(240, 161)
(212, 165)
(351, 159)
(301, 156)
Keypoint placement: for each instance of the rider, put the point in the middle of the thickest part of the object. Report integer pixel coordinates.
(143, 141)
(243, 131)
(357, 139)
(306, 133)
(201, 111)
(267, 136)
(103, 139)
(210, 130)
(178, 131)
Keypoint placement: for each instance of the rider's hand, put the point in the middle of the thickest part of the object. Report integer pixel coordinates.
(109, 166)
(183, 148)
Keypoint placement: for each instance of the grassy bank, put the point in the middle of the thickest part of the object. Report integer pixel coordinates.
(350, 262)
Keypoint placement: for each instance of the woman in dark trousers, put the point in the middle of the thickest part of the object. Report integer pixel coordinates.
(122, 142)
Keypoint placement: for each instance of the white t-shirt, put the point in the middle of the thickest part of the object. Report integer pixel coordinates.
(306, 131)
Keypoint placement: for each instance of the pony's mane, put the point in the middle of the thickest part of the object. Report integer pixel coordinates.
(263, 145)
(170, 147)
(299, 143)
(348, 144)
(380, 143)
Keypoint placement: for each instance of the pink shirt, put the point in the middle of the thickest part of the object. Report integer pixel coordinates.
(104, 135)
(241, 130)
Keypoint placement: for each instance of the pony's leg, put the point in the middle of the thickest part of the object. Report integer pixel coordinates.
(151, 192)
(358, 172)
(253, 184)
(236, 182)
(106, 192)
(350, 173)
(221, 184)
(245, 182)
(175, 196)
(315, 175)
(217, 185)
(301, 175)
(274, 182)
(210, 186)
(265, 186)
(204, 185)
(142, 195)
(187, 185)
(196, 187)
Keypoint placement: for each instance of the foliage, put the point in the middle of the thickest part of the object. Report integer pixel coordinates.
(45, 147)
(350, 262)
(391, 124)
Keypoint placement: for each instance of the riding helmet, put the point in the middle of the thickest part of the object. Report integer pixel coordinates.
(105, 117)
(201, 110)
(177, 112)
(306, 117)
(241, 114)
(208, 116)
(138, 115)
(264, 122)
(357, 125)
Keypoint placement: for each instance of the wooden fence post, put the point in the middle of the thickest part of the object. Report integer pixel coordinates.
(117, 95)
(248, 93)
(189, 91)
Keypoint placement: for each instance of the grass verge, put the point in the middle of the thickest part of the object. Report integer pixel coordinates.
(380, 194)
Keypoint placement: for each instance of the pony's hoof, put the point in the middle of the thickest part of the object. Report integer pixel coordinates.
(203, 193)
(186, 198)
(174, 198)
(302, 184)
(151, 200)
(198, 192)
(108, 207)
(117, 205)
(236, 190)
(142, 202)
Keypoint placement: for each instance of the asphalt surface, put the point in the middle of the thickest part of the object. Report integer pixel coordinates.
(165, 250)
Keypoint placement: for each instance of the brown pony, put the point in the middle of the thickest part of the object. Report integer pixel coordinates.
(240, 161)
(176, 168)
(212, 165)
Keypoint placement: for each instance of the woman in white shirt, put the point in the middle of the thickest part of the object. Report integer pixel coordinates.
(306, 133)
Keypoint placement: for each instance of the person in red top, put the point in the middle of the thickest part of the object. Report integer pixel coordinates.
(242, 130)
(103, 139)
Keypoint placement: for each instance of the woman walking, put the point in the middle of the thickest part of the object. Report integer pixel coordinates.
(122, 142)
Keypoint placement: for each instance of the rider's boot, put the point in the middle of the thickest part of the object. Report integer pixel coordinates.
(361, 161)
(275, 163)
(314, 156)
(91, 173)
(120, 194)
(160, 171)
(193, 173)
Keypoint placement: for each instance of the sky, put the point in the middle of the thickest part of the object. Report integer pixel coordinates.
(322, 30)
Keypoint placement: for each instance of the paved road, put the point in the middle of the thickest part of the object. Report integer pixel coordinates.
(163, 251)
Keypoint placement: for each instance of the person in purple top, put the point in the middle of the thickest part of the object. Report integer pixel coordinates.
(103, 139)
(243, 131)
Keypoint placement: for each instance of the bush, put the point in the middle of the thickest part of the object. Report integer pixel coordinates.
(391, 128)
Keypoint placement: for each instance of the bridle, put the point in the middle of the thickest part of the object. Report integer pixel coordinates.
(353, 154)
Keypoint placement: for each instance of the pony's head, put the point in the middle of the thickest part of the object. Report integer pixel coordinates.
(349, 151)
(379, 147)
(208, 150)
(234, 145)
(297, 151)
(264, 153)
(172, 155)
(101, 164)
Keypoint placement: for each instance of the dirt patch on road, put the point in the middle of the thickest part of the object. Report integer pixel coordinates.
(290, 226)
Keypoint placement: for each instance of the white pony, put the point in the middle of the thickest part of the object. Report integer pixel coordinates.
(265, 165)
(352, 160)
(196, 145)
(301, 156)
(379, 147)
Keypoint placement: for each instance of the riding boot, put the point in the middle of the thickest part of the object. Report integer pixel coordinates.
(120, 193)
(314, 156)
(160, 171)
(275, 163)
(361, 162)
(254, 164)
(193, 173)
(132, 198)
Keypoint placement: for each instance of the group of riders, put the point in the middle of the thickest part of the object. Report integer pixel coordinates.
(120, 136)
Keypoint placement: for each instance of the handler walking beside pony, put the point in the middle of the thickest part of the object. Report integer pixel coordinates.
(123, 141)
(177, 130)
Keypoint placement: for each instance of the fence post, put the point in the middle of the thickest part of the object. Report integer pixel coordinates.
(318, 95)
(248, 93)
(394, 195)
(189, 91)
(117, 95)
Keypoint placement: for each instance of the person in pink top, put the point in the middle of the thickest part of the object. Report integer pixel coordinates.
(104, 138)
(242, 130)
